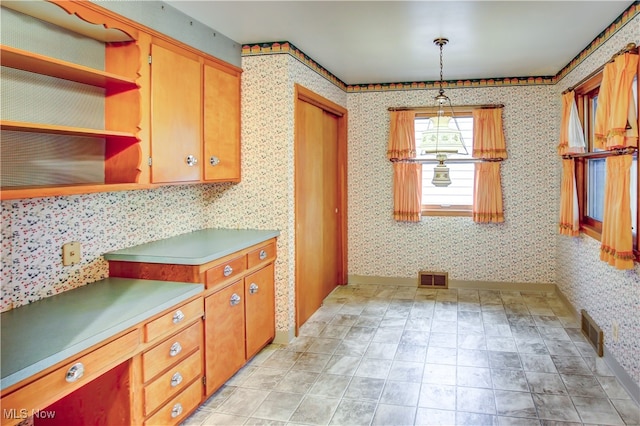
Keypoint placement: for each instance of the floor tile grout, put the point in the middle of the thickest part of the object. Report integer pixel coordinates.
(533, 331)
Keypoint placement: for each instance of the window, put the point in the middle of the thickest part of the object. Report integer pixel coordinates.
(457, 198)
(590, 172)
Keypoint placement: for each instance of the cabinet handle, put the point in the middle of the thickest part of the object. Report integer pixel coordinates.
(191, 160)
(74, 372)
(214, 161)
(263, 254)
(228, 270)
(176, 410)
(178, 316)
(235, 299)
(176, 379)
(253, 288)
(175, 349)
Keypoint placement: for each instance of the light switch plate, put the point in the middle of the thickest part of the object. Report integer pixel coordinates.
(71, 253)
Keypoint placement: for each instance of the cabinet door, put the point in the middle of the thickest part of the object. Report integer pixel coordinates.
(176, 118)
(259, 309)
(224, 335)
(221, 124)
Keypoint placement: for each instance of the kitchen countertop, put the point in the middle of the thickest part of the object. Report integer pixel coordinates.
(44, 333)
(193, 248)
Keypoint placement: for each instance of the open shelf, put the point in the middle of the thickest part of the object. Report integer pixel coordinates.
(28, 61)
(52, 129)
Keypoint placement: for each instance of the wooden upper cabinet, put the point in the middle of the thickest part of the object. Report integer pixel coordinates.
(221, 124)
(176, 118)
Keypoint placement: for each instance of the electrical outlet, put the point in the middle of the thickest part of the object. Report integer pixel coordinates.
(71, 253)
(615, 330)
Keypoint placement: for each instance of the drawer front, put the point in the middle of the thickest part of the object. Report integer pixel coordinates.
(179, 407)
(174, 320)
(55, 385)
(261, 255)
(225, 271)
(171, 351)
(172, 382)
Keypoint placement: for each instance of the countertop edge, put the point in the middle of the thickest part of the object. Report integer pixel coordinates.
(121, 255)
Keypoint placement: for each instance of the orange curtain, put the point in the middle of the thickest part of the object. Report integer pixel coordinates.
(571, 141)
(407, 176)
(488, 137)
(407, 191)
(487, 193)
(402, 135)
(569, 221)
(617, 241)
(615, 105)
(489, 144)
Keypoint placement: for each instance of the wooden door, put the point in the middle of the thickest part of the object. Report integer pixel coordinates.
(224, 331)
(221, 159)
(320, 193)
(176, 116)
(259, 309)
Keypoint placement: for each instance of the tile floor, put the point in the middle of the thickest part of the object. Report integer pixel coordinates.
(385, 355)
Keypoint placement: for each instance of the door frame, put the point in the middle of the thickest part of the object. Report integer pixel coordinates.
(302, 94)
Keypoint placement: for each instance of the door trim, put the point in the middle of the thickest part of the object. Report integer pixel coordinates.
(302, 94)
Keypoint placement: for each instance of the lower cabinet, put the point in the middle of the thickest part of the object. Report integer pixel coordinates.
(240, 320)
(224, 328)
(259, 310)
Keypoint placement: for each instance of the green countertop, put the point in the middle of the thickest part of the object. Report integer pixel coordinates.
(44, 333)
(194, 248)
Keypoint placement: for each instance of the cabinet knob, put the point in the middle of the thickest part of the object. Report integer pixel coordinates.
(176, 410)
(263, 254)
(178, 316)
(176, 379)
(253, 288)
(228, 270)
(74, 372)
(235, 299)
(175, 349)
(214, 161)
(191, 160)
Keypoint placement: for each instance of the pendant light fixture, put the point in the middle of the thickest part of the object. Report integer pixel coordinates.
(443, 134)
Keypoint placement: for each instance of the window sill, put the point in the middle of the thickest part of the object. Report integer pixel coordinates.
(460, 211)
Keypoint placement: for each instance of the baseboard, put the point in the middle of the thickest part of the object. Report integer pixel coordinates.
(477, 285)
(632, 388)
(284, 337)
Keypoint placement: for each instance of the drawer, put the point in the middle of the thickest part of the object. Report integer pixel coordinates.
(179, 407)
(174, 320)
(171, 351)
(172, 382)
(55, 385)
(225, 271)
(263, 254)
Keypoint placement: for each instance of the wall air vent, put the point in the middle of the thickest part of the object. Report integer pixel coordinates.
(592, 332)
(427, 279)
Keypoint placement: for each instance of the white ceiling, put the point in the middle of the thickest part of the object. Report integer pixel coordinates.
(392, 41)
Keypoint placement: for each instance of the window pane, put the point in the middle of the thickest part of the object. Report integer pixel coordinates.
(595, 188)
(460, 192)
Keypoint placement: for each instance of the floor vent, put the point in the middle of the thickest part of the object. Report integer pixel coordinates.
(593, 333)
(428, 279)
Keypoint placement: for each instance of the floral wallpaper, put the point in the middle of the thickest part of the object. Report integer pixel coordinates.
(610, 296)
(519, 250)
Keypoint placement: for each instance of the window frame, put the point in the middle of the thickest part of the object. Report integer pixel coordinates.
(584, 95)
(461, 210)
